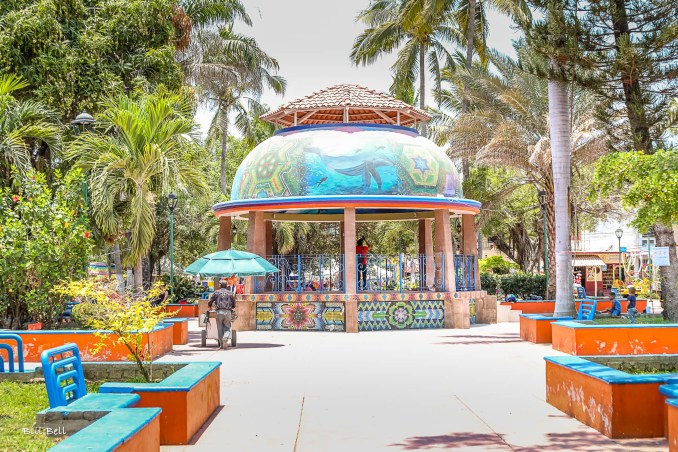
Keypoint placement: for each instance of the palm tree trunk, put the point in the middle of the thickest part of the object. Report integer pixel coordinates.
(470, 32)
(668, 274)
(117, 260)
(224, 148)
(551, 238)
(139, 275)
(422, 83)
(559, 118)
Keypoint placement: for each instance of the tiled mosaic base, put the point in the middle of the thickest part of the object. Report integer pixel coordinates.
(399, 315)
(301, 316)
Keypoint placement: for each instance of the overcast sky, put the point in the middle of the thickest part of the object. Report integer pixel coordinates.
(312, 41)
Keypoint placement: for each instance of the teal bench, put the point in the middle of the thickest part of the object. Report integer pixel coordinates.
(137, 429)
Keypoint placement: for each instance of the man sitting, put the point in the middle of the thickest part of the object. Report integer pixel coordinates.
(615, 310)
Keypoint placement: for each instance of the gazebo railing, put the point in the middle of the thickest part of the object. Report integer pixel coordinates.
(303, 273)
(465, 272)
(400, 273)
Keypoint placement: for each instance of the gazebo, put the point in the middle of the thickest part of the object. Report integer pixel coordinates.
(348, 154)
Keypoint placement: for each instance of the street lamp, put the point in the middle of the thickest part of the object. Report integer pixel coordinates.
(542, 205)
(234, 232)
(83, 122)
(619, 234)
(173, 199)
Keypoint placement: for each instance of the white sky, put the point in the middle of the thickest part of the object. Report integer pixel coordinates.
(312, 40)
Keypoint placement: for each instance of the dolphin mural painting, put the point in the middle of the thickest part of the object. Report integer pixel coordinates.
(363, 163)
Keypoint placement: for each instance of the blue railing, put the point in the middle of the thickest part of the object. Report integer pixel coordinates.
(374, 273)
(400, 273)
(303, 273)
(465, 272)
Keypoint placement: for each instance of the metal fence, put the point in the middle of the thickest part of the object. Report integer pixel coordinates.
(302, 273)
(465, 272)
(374, 273)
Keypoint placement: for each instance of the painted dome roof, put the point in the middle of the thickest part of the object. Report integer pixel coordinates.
(346, 159)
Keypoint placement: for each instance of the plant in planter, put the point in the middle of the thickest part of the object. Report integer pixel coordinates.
(184, 288)
(127, 316)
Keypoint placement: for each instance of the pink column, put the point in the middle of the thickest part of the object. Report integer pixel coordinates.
(351, 305)
(443, 244)
(269, 238)
(256, 243)
(426, 248)
(470, 244)
(224, 239)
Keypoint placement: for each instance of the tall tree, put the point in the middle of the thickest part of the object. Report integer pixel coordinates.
(140, 154)
(231, 72)
(419, 31)
(505, 125)
(633, 45)
(28, 129)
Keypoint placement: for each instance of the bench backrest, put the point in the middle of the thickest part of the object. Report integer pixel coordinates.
(587, 309)
(64, 377)
(10, 352)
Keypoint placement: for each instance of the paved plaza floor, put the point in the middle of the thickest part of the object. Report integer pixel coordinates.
(480, 389)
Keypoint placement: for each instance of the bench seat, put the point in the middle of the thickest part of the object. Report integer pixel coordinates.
(122, 430)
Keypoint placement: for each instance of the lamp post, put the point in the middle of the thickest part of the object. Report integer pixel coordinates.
(619, 234)
(542, 206)
(82, 123)
(173, 199)
(234, 233)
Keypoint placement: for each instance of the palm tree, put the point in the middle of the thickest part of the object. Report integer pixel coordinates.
(231, 72)
(421, 29)
(24, 125)
(141, 154)
(507, 124)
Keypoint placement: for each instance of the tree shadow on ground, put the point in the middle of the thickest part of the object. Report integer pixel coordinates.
(481, 341)
(483, 336)
(453, 441)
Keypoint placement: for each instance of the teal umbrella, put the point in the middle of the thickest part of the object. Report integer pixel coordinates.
(231, 262)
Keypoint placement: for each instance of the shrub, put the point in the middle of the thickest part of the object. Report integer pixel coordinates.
(489, 283)
(497, 265)
(184, 288)
(523, 285)
(126, 315)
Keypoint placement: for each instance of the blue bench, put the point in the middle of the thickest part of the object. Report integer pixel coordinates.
(70, 406)
(136, 428)
(10, 352)
(587, 309)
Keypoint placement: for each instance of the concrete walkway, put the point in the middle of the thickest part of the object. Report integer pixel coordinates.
(480, 389)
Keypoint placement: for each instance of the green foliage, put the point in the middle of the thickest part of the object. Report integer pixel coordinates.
(646, 183)
(127, 315)
(77, 53)
(184, 288)
(489, 282)
(44, 237)
(522, 285)
(497, 265)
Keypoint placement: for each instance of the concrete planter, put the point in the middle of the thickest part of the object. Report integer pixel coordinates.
(536, 328)
(179, 330)
(187, 398)
(577, 338)
(616, 403)
(182, 310)
(35, 342)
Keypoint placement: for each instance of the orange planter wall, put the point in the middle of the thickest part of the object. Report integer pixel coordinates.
(35, 342)
(672, 429)
(547, 307)
(617, 410)
(179, 330)
(145, 440)
(185, 403)
(537, 328)
(580, 339)
(183, 310)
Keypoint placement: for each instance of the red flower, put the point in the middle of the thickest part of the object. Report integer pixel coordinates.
(15, 198)
(87, 234)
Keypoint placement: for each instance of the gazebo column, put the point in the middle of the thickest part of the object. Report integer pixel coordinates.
(426, 249)
(470, 243)
(269, 238)
(224, 239)
(457, 313)
(256, 243)
(351, 304)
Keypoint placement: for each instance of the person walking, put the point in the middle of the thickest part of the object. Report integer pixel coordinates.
(361, 250)
(631, 310)
(224, 304)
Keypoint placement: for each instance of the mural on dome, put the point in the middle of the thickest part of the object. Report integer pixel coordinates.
(346, 161)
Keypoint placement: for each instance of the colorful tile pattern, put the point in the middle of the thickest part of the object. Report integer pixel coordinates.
(399, 315)
(472, 310)
(301, 316)
(325, 297)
